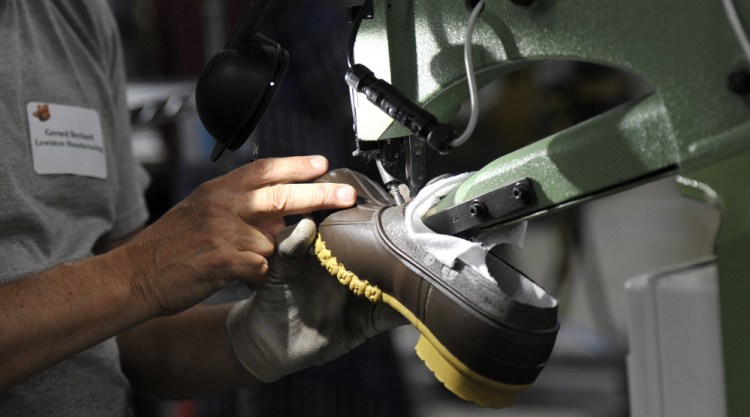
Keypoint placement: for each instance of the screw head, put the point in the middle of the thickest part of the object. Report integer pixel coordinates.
(738, 81)
(521, 193)
(477, 209)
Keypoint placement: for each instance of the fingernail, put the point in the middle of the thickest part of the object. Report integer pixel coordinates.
(345, 194)
(318, 162)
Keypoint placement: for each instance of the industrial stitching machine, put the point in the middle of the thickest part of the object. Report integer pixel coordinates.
(694, 125)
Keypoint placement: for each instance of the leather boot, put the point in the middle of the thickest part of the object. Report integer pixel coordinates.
(476, 336)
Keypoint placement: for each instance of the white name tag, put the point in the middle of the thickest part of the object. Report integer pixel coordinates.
(66, 140)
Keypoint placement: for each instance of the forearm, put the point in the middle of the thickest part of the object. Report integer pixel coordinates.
(222, 232)
(183, 356)
(52, 315)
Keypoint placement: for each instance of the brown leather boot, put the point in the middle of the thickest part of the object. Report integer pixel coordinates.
(477, 338)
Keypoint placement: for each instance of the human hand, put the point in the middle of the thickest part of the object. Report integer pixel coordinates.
(302, 316)
(224, 231)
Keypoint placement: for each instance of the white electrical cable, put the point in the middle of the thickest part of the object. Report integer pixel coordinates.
(739, 31)
(470, 77)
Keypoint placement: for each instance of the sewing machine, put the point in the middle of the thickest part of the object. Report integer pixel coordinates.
(694, 125)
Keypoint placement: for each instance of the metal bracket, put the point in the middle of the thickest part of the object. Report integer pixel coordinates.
(483, 210)
(352, 11)
(403, 159)
(415, 164)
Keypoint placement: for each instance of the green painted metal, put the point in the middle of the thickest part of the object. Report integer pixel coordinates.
(691, 124)
(674, 44)
(615, 150)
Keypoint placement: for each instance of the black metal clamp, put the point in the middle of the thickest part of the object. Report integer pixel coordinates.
(483, 210)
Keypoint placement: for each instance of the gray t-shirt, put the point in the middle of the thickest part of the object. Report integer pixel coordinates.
(64, 52)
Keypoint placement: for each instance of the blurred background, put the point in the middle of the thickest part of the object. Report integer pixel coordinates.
(582, 255)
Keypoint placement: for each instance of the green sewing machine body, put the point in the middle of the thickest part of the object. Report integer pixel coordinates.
(691, 125)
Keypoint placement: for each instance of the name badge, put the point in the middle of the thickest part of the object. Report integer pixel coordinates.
(66, 140)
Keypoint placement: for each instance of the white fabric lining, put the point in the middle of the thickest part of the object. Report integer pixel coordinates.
(446, 248)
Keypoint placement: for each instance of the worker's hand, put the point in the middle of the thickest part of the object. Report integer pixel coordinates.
(224, 231)
(302, 316)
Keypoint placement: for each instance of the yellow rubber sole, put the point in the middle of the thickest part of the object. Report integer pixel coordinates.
(449, 370)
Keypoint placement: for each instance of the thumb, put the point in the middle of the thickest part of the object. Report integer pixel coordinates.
(291, 251)
(296, 240)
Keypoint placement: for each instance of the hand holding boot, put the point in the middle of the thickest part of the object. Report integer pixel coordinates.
(301, 317)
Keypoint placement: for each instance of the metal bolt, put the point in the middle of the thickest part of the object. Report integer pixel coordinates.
(524, 3)
(739, 81)
(521, 193)
(477, 209)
